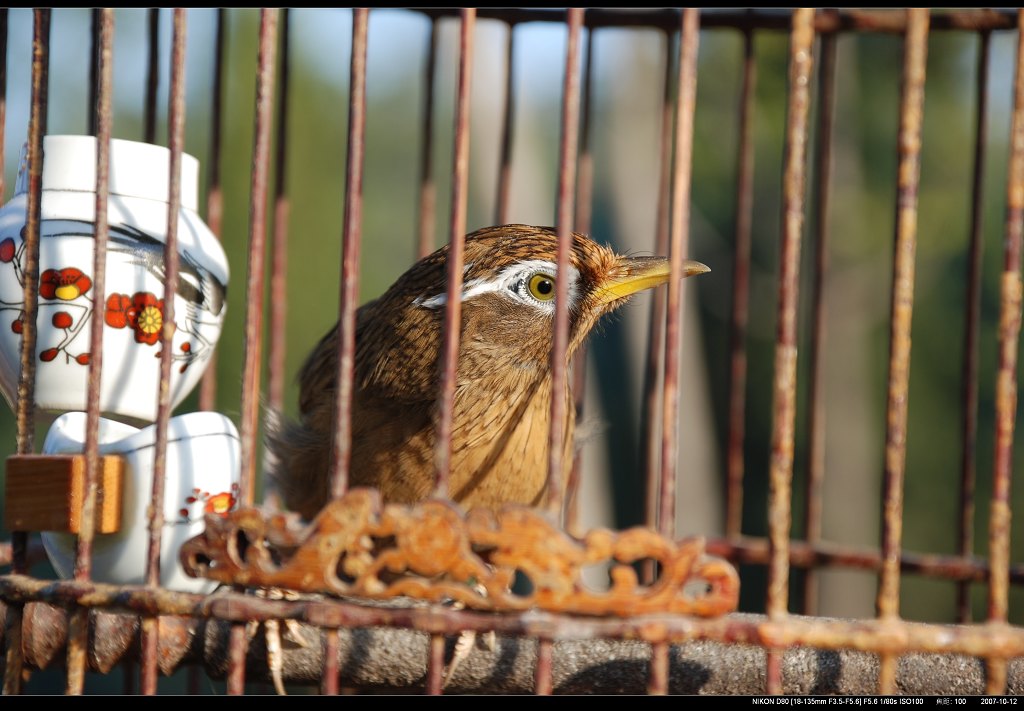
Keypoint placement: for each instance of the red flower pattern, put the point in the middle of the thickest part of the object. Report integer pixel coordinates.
(66, 284)
(142, 312)
(118, 306)
(220, 503)
(62, 319)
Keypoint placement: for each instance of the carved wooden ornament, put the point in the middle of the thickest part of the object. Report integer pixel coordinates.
(431, 551)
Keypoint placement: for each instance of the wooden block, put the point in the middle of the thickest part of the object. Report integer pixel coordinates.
(44, 492)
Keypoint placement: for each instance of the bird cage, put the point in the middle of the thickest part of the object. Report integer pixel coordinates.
(766, 511)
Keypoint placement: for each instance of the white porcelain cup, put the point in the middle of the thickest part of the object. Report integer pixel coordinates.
(132, 304)
(202, 476)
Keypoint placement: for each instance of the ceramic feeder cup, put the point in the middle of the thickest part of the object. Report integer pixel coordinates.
(133, 303)
(202, 477)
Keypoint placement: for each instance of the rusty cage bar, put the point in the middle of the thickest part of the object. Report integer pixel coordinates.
(96, 626)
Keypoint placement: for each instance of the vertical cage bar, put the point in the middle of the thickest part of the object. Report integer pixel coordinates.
(435, 665)
(152, 76)
(252, 357)
(237, 645)
(507, 130)
(585, 179)
(13, 659)
(78, 628)
(37, 129)
(214, 192)
(3, 95)
(740, 295)
(428, 191)
(103, 121)
(94, 61)
(542, 681)
(456, 250)
(902, 304)
(329, 680)
(801, 60)
(658, 675)
(567, 154)
(26, 380)
(969, 374)
(1006, 375)
(657, 682)
(584, 209)
(679, 236)
(279, 236)
(909, 148)
(650, 442)
(773, 671)
(348, 296)
(176, 143)
(816, 396)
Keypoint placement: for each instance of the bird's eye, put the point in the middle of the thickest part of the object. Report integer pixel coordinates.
(541, 286)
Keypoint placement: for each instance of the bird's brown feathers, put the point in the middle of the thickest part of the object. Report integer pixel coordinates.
(503, 388)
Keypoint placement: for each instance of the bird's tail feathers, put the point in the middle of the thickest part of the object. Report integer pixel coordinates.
(295, 463)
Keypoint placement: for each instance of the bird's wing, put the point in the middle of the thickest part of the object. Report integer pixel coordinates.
(320, 371)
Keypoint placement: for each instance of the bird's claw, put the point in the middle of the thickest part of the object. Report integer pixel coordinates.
(273, 636)
(468, 639)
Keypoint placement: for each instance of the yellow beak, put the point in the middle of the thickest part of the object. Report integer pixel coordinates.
(642, 273)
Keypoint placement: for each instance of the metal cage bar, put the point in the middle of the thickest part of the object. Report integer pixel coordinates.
(584, 207)
(969, 373)
(78, 628)
(26, 380)
(679, 236)
(348, 293)
(542, 673)
(3, 94)
(176, 144)
(214, 189)
(801, 60)
(435, 665)
(568, 153)
(152, 76)
(501, 203)
(882, 21)
(252, 360)
(329, 683)
(909, 147)
(887, 636)
(740, 295)
(1006, 376)
(428, 191)
(678, 245)
(276, 377)
(650, 440)
(456, 250)
(816, 394)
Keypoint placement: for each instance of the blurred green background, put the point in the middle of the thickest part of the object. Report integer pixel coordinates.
(628, 70)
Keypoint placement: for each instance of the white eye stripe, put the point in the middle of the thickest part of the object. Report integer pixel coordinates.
(510, 281)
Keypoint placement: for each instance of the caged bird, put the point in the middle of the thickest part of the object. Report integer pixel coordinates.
(503, 382)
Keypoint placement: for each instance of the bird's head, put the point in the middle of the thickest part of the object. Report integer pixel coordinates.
(508, 299)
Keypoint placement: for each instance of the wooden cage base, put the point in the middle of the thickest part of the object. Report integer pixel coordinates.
(46, 493)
